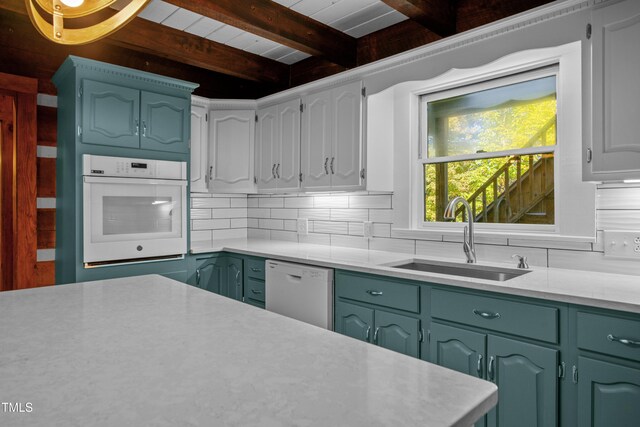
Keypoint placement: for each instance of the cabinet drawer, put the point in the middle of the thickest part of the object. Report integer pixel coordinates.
(379, 291)
(526, 320)
(254, 289)
(609, 335)
(254, 268)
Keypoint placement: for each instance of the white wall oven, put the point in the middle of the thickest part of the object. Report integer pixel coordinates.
(133, 209)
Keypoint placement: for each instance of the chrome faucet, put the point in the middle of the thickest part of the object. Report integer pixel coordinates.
(450, 213)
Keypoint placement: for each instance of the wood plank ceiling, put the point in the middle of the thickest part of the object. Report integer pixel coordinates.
(249, 49)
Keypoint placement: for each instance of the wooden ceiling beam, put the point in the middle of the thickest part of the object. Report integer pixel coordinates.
(275, 22)
(150, 38)
(438, 16)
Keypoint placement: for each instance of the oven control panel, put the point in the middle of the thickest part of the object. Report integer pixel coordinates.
(123, 167)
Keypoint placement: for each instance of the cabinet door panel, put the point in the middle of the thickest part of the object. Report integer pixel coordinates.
(396, 332)
(347, 136)
(199, 150)
(165, 122)
(608, 394)
(289, 150)
(231, 138)
(209, 275)
(353, 321)
(110, 115)
(616, 93)
(267, 141)
(316, 143)
(234, 278)
(526, 376)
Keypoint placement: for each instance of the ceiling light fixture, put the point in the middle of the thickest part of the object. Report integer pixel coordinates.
(49, 17)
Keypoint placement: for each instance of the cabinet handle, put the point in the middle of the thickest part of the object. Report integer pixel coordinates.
(326, 170)
(144, 129)
(574, 374)
(273, 170)
(332, 171)
(479, 366)
(367, 334)
(589, 155)
(210, 173)
(486, 314)
(375, 335)
(137, 128)
(255, 270)
(625, 341)
(278, 171)
(253, 291)
(490, 370)
(238, 278)
(197, 276)
(374, 293)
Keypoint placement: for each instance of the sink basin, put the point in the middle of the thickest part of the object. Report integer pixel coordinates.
(458, 269)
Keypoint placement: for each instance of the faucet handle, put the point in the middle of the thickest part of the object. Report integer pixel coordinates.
(522, 261)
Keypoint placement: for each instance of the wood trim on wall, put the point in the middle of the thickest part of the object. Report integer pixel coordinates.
(24, 90)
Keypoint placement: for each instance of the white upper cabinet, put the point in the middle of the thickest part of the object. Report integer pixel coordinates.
(614, 125)
(199, 149)
(278, 147)
(332, 148)
(231, 151)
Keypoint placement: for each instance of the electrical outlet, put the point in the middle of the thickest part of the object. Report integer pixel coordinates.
(303, 226)
(367, 229)
(622, 244)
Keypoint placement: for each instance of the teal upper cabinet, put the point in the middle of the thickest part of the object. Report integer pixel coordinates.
(110, 115)
(165, 122)
(613, 149)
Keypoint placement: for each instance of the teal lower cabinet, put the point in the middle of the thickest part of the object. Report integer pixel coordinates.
(254, 288)
(389, 330)
(458, 349)
(608, 394)
(221, 274)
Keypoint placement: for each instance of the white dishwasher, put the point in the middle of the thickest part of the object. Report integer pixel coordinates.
(301, 292)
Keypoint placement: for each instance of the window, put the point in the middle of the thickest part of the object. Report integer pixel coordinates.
(494, 144)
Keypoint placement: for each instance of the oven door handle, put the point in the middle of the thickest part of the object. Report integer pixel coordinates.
(141, 181)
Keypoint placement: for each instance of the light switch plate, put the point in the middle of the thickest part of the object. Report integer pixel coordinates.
(303, 226)
(622, 244)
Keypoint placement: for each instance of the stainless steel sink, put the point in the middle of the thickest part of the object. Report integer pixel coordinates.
(458, 269)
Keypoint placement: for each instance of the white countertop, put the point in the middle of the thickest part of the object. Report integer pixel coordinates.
(605, 290)
(151, 351)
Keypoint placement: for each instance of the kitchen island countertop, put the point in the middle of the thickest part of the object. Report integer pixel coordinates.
(603, 290)
(148, 350)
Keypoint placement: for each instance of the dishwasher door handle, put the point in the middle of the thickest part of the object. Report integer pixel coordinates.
(294, 276)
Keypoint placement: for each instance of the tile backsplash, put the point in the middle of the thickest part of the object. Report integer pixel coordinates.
(337, 219)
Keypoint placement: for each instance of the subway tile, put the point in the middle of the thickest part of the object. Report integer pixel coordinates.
(381, 230)
(291, 225)
(550, 244)
(618, 220)
(591, 261)
(239, 222)
(618, 198)
(211, 224)
(331, 201)
(404, 246)
(349, 215)
(479, 238)
(315, 239)
(284, 213)
(330, 227)
(234, 233)
(298, 202)
(370, 202)
(259, 213)
(229, 213)
(252, 202)
(238, 202)
(491, 253)
(289, 236)
(272, 202)
(315, 214)
(200, 213)
(200, 235)
(258, 233)
(271, 224)
(219, 202)
(252, 223)
(350, 241)
(356, 229)
(381, 215)
(201, 195)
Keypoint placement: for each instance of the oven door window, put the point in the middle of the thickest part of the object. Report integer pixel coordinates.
(132, 211)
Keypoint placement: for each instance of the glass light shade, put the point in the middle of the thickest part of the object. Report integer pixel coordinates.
(72, 3)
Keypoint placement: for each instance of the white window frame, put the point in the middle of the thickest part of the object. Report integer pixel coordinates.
(423, 158)
(575, 200)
